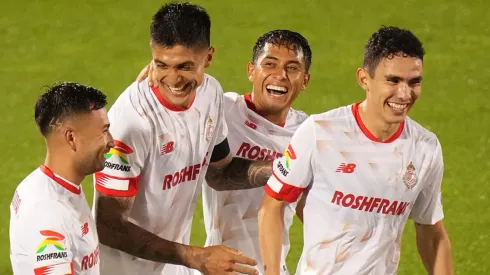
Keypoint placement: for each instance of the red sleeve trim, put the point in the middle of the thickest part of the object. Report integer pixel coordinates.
(287, 193)
(116, 186)
(62, 268)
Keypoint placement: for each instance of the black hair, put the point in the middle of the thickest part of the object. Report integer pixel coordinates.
(63, 100)
(290, 39)
(181, 23)
(388, 42)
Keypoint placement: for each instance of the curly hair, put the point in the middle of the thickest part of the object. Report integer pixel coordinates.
(388, 42)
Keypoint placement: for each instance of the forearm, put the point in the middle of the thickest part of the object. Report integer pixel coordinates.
(134, 240)
(116, 231)
(271, 226)
(239, 174)
(436, 254)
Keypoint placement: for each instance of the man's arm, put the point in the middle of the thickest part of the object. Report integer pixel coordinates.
(301, 205)
(117, 232)
(237, 173)
(291, 175)
(434, 248)
(427, 213)
(271, 219)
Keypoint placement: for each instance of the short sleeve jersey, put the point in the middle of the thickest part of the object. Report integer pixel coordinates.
(161, 157)
(51, 228)
(231, 216)
(361, 190)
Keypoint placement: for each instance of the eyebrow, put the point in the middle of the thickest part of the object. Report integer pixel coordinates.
(271, 57)
(395, 77)
(186, 63)
(277, 59)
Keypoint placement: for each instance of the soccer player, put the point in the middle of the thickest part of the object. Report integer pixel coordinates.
(368, 168)
(169, 138)
(260, 126)
(51, 228)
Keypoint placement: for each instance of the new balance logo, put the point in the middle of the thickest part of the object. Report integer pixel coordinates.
(85, 229)
(251, 124)
(167, 148)
(346, 168)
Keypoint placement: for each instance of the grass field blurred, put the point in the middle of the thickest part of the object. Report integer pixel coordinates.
(105, 44)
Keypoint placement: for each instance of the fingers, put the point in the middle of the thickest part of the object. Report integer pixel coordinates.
(243, 260)
(143, 74)
(151, 81)
(231, 250)
(245, 270)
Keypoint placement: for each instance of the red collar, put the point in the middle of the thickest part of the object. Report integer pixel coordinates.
(251, 106)
(60, 181)
(167, 104)
(367, 133)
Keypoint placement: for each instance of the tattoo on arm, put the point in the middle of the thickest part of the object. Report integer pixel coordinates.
(117, 232)
(239, 174)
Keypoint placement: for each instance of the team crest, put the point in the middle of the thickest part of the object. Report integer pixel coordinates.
(410, 177)
(209, 129)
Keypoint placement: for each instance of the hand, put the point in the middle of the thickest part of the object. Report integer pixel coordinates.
(217, 260)
(147, 72)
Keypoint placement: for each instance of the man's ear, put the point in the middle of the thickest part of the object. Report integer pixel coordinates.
(251, 71)
(209, 57)
(69, 135)
(306, 81)
(363, 78)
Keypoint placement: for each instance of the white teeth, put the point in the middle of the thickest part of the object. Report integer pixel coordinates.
(397, 107)
(277, 88)
(176, 89)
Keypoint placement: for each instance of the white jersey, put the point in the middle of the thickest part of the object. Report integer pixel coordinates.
(361, 190)
(161, 157)
(51, 228)
(230, 217)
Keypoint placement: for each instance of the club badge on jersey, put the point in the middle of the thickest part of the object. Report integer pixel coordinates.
(208, 134)
(410, 177)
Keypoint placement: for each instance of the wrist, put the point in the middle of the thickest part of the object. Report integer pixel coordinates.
(193, 257)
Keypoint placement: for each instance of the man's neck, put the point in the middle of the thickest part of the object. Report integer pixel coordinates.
(379, 128)
(276, 118)
(63, 167)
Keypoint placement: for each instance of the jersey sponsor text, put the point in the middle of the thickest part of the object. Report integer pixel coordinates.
(90, 260)
(256, 153)
(185, 174)
(369, 204)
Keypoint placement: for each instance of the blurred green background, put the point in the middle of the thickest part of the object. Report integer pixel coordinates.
(106, 43)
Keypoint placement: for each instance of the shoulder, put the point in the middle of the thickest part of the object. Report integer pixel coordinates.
(127, 116)
(424, 138)
(295, 118)
(230, 100)
(36, 189)
(340, 114)
(211, 84)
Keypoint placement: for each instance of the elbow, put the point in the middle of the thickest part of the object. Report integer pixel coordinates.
(110, 230)
(216, 185)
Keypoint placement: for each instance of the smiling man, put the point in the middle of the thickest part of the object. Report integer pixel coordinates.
(169, 137)
(367, 167)
(51, 228)
(260, 126)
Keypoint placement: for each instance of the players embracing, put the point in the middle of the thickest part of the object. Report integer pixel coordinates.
(169, 138)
